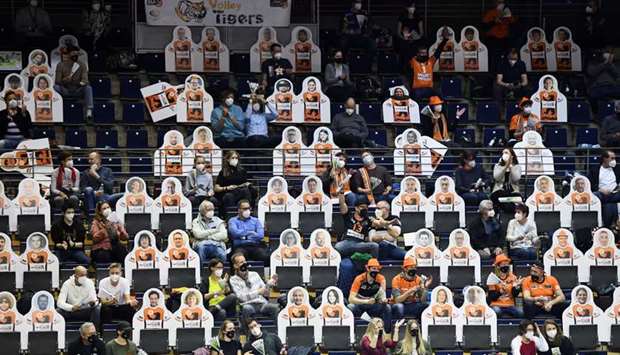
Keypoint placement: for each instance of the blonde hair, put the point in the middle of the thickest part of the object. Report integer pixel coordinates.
(407, 344)
(222, 331)
(372, 332)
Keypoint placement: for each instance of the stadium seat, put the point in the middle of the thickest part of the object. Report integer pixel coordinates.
(371, 111)
(137, 138)
(336, 108)
(153, 62)
(378, 136)
(44, 132)
(512, 108)
(451, 87)
(587, 135)
(556, 137)
(564, 163)
(96, 62)
(388, 63)
(102, 87)
(453, 107)
(76, 137)
(107, 138)
(359, 63)
(243, 88)
(119, 37)
(487, 113)
(467, 133)
(490, 133)
(140, 165)
(133, 113)
(579, 112)
(605, 108)
(103, 112)
(240, 62)
(390, 81)
(73, 113)
(130, 87)
(115, 164)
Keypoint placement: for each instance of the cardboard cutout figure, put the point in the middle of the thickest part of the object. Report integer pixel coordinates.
(471, 54)
(145, 255)
(204, 146)
(548, 102)
(298, 313)
(544, 198)
(446, 61)
(43, 317)
(37, 64)
(46, 104)
(161, 100)
(313, 106)
(9, 261)
(302, 52)
(135, 199)
(193, 314)
(38, 257)
(445, 199)
(400, 108)
(180, 255)
(333, 313)
(215, 56)
(172, 200)
(612, 314)
(277, 199)
(410, 198)
(261, 50)
(11, 321)
(320, 252)
(284, 101)
(7, 208)
(17, 85)
(312, 199)
(532, 154)
(475, 311)
(182, 55)
(30, 202)
(290, 252)
(583, 311)
(194, 104)
(441, 311)
(172, 158)
(154, 315)
(323, 150)
(537, 53)
(604, 251)
(31, 158)
(424, 249)
(291, 157)
(563, 252)
(410, 155)
(460, 253)
(63, 43)
(580, 199)
(567, 53)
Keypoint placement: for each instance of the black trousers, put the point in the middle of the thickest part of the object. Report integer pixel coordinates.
(110, 313)
(226, 308)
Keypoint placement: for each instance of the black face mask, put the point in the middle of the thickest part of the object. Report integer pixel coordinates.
(373, 274)
(339, 60)
(243, 267)
(413, 332)
(536, 277)
(230, 334)
(363, 213)
(504, 269)
(74, 58)
(92, 338)
(126, 334)
(422, 58)
(411, 272)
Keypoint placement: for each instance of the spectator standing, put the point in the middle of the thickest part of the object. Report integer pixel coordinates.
(247, 233)
(71, 79)
(199, 183)
(368, 295)
(357, 226)
(275, 68)
(409, 32)
(122, 344)
(349, 127)
(97, 182)
(210, 235)
(510, 78)
(409, 291)
(33, 25)
(422, 68)
(109, 236)
(68, 235)
(225, 342)
(558, 342)
(604, 180)
(77, 300)
(15, 123)
(470, 179)
(258, 114)
(88, 343)
(375, 341)
(503, 288)
(542, 294)
(413, 342)
(603, 76)
(524, 121)
(271, 343)
(435, 123)
(485, 232)
(228, 122)
(231, 184)
(529, 341)
(522, 235)
(221, 302)
(355, 29)
(96, 25)
(338, 78)
(610, 128)
(385, 231)
(372, 180)
(65, 182)
(114, 295)
(499, 21)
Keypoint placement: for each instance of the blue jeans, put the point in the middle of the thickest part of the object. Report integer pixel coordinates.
(8, 143)
(74, 255)
(609, 207)
(86, 91)
(389, 251)
(350, 199)
(348, 247)
(413, 309)
(474, 198)
(91, 198)
(523, 253)
(382, 311)
(511, 311)
(207, 252)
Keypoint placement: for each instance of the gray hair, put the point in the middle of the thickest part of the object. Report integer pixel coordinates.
(85, 326)
(203, 206)
(485, 205)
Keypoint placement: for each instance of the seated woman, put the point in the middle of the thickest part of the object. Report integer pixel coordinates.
(522, 235)
(109, 236)
(231, 184)
(470, 179)
(220, 300)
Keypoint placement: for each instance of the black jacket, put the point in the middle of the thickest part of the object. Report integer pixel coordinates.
(77, 347)
(479, 238)
(22, 121)
(566, 347)
(595, 170)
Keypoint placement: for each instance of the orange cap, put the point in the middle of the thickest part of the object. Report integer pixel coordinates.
(408, 262)
(500, 259)
(435, 100)
(373, 263)
(524, 100)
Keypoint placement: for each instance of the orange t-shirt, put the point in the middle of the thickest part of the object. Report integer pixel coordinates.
(409, 199)
(442, 310)
(424, 253)
(211, 55)
(580, 198)
(563, 252)
(459, 252)
(291, 252)
(548, 105)
(365, 289)
(284, 106)
(563, 55)
(153, 313)
(603, 252)
(182, 55)
(313, 199)
(194, 105)
(403, 285)
(191, 313)
(400, 110)
(330, 311)
(444, 198)
(7, 317)
(171, 201)
(546, 288)
(181, 253)
(446, 57)
(42, 316)
(277, 199)
(147, 254)
(472, 310)
(538, 55)
(37, 257)
(312, 107)
(545, 198)
(470, 55)
(506, 299)
(298, 311)
(422, 73)
(582, 310)
(518, 121)
(43, 104)
(303, 57)
(320, 252)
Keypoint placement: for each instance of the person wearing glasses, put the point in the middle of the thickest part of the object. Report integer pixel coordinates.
(246, 233)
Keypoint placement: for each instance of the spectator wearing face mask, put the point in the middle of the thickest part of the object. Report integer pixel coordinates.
(114, 295)
(470, 179)
(349, 127)
(275, 68)
(77, 300)
(220, 299)
(228, 122)
(603, 76)
(529, 341)
(559, 344)
(355, 29)
(409, 291)
(109, 236)
(199, 183)
(33, 25)
(503, 288)
(434, 121)
(97, 182)
(372, 180)
(610, 128)
(524, 121)
(258, 114)
(122, 344)
(385, 231)
(65, 182)
(485, 232)
(71, 79)
(510, 78)
(209, 232)
(422, 69)
(88, 343)
(260, 342)
(604, 181)
(338, 178)
(413, 342)
(522, 235)
(368, 295)
(542, 294)
(68, 235)
(506, 176)
(338, 79)
(231, 184)
(15, 123)
(247, 233)
(357, 226)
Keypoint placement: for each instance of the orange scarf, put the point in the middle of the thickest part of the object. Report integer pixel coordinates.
(367, 184)
(440, 132)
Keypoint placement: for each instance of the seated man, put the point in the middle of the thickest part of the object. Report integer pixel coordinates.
(485, 232)
(542, 294)
(409, 291)
(385, 231)
(88, 343)
(246, 233)
(65, 183)
(524, 121)
(511, 78)
(68, 234)
(368, 294)
(209, 233)
(350, 129)
(259, 342)
(114, 295)
(77, 300)
(604, 178)
(357, 225)
(372, 180)
(97, 182)
(72, 78)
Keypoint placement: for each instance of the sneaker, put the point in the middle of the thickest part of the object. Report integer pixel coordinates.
(89, 113)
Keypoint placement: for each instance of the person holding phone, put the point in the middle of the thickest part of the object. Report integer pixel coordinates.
(529, 341)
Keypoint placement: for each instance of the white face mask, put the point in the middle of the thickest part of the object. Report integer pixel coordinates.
(69, 164)
(529, 334)
(437, 108)
(512, 61)
(106, 212)
(34, 3)
(256, 331)
(357, 6)
(200, 167)
(491, 213)
(527, 110)
(612, 164)
(518, 216)
(229, 101)
(245, 214)
(81, 280)
(368, 159)
(210, 214)
(218, 273)
(114, 278)
(12, 103)
(233, 162)
(349, 111)
(256, 107)
(505, 157)
(500, 7)
(378, 213)
(340, 164)
(411, 9)
(69, 216)
(96, 7)
(471, 163)
(277, 55)
(552, 333)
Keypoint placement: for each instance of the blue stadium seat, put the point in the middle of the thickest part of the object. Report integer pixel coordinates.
(359, 64)
(153, 62)
(378, 136)
(161, 132)
(390, 81)
(137, 138)
(587, 135)
(240, 62)
(76, 137)
(386, 160)
(592, 161)
(216, 83)
(490, 133)
(113, 163)
(102, 87)
(96, 63)
(73, 113)
(487, 112)
(512, 108)
(451, 87)
(119, 37)
(336, 108)
(564, 163)
(103, 112)
(133, 113)
(387, 62)
(605, 108)
(140, 165)
(556, 137)
(44, 132)
(371, 111)
(468, 133)
(130, 87)
(243, 88)
(107, 138)
(455, 106)
(579, 112)
(80, 163)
